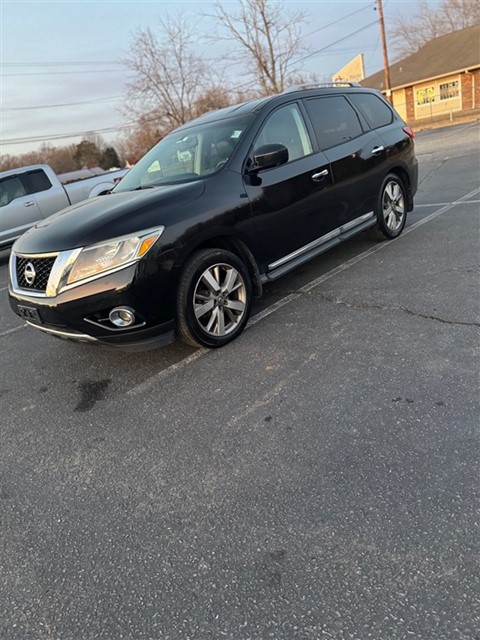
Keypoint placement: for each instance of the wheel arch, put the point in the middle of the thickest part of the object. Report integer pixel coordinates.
(101, 189)
(230, 243)
(402, 173)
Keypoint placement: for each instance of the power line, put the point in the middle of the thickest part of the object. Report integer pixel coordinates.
(314, 53)
(61, 73)
(331, 24)
(373, 49)
(63, 136)
(245, 85)
(60, 64)
(65, 104)
(336, 51)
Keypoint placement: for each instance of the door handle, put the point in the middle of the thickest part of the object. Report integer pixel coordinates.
(30, 203)
(318, 177)
(377, 150)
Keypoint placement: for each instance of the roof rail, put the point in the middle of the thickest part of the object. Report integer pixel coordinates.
(318, 85)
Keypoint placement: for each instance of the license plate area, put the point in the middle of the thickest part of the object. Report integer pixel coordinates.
(29, 313)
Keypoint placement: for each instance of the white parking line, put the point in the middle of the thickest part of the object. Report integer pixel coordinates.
(155, 379)
(14, 330)
(444, 204)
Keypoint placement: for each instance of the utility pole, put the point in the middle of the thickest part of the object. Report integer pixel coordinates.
(388, 86)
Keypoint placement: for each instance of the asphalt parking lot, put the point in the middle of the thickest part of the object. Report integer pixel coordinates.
(316, 479)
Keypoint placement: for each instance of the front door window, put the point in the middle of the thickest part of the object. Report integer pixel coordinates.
(286, 126)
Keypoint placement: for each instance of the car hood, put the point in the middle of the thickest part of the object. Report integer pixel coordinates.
(105, 217)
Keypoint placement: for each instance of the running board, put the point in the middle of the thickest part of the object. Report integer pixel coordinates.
(316, 250)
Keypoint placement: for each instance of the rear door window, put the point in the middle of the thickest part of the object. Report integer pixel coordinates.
(373, 108)
(334, 119)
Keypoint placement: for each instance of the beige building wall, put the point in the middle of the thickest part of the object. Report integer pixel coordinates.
(437, 97)
(400, 103)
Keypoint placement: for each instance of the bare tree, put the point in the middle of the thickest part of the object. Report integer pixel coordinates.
(150, 127)
(410, 33)
(169, 77)
(142, 136)
(59, 158)
(215, 97)
(458, 14)
(267, 38)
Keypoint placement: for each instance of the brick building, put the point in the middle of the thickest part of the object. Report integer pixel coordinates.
(440, 80)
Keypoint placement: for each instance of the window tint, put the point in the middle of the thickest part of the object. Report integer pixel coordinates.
(10, 189)
(334, 119)
(376, 112)
(36, 181)
(286, 126)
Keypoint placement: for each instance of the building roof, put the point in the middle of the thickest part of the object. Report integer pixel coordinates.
(443, 55)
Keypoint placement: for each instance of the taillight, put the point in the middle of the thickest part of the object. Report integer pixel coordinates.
(409, 132)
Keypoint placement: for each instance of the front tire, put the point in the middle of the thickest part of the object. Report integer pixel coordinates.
(391, 209)
(214, 298)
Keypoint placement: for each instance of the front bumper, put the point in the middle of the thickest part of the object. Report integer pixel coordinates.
(160, 336)
(81, 313)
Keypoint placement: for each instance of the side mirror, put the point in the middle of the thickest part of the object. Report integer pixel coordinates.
(268, 156)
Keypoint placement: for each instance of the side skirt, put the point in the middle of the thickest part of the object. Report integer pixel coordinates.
(319, 246)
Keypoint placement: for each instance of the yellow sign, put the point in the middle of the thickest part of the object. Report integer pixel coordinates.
(354, 71)
(426, 95)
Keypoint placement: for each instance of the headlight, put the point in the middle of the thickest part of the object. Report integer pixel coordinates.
(114, 254)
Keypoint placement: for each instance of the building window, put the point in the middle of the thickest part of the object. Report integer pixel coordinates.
(425, 95)
(449, 90)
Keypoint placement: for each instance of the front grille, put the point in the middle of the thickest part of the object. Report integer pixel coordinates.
(42, 268)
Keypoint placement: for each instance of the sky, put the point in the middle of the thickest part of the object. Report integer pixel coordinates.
(61, 66)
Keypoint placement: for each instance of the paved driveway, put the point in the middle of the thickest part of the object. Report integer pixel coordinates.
(317, 478)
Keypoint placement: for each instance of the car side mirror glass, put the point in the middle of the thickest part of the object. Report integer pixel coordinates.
(268, 156)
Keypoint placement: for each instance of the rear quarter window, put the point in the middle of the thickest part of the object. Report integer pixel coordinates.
(36, 181)
(334, 120)
(373, 108)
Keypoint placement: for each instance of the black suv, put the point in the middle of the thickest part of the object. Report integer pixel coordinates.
(216, 209)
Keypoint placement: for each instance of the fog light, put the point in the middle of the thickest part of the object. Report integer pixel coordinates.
(122, 316)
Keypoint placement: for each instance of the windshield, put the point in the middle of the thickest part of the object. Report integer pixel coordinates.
(186, 155)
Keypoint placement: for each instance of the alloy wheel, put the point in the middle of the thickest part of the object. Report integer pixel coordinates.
(219, 299)
(393, 205)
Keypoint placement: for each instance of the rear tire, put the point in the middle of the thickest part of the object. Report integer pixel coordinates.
(391, 209)
(214, 298)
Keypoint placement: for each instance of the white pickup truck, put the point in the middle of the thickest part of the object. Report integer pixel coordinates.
(29, 194)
